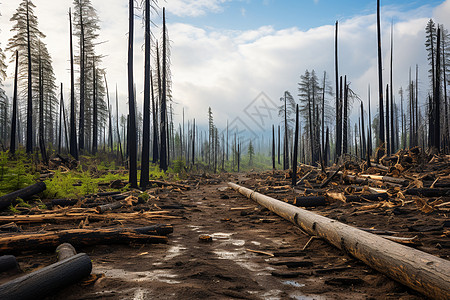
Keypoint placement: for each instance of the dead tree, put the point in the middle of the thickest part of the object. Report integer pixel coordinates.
(132, 142)
(73, 129)
(294, 157)
(380, 79)
(146, 121)
(12, 145)
(29, 143)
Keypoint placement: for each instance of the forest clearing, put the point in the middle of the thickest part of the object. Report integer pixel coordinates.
(180, 189)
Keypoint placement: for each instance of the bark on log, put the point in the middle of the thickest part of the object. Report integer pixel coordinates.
(428, 192)
(420, 271)
(390, 179)
(8, 262)
(48, 280)
(25, 193)
(310, 201)
(163, 183)
(110, 206)
(84, 237)
(72, 217)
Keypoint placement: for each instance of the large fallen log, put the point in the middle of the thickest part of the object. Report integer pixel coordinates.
(428, 192)
(85, 237)
(420, 271)
(72, 217)
(390, 179)
(25, 193)
(48, 280)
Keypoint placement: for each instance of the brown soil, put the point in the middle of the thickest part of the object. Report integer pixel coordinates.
(225, 268)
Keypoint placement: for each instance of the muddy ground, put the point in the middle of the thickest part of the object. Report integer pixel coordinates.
(228, 267)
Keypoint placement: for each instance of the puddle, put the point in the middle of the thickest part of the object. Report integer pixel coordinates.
(256, 243)
(194, 227)
(309, 297)
(221, 235)
(293, 283)
(174, 251)
(159, 275)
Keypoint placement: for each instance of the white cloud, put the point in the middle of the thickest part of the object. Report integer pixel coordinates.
(228, 69)
(194, 8)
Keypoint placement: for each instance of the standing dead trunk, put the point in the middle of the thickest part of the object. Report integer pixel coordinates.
(345, 119)
(29, 145)
(95, 109)
(437, 95)
(132, 141)
(273, 147)
(12, 145)
(388, 141)
(73, 129)
(146, 121)
(294, 157)
(380, 79)
(163, 152)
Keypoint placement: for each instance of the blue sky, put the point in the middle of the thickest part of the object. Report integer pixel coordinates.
(304, 14)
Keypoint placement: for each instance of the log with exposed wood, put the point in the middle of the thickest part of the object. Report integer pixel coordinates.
(85, 237)
(389, 179)
(164, 183)
(25, 193)
(423, 272)
(78, 216)
(48, 280)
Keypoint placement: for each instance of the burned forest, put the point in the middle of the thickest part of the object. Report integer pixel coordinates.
(224, 149)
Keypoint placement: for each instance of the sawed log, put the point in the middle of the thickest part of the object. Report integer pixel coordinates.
(48, 280)
(85, 237)
(25, 193)
(423, 272)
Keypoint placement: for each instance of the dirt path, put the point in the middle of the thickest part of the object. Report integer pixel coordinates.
(186, 268)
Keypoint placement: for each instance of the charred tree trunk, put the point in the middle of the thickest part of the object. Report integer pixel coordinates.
(132, 141)
(12, 146)
(294, 157)
(163, 152)
(336, 70)
(29, 145)
(110, 132)
(388, 130)
(95, 109)
(117, 126)
(82, 81)
(273, 147)
(380, 78)
(73, 129)
(362, 130)
(146, 121)
(437, 95)
(345, 119)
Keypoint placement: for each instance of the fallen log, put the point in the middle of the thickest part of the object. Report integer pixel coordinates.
(72, 217)
(164, 183)
(390, 179)
(310, 201)
(108, 207)
(420, 271)
(25, 193)
(48, 280)
(428, 192)
(83, 237)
